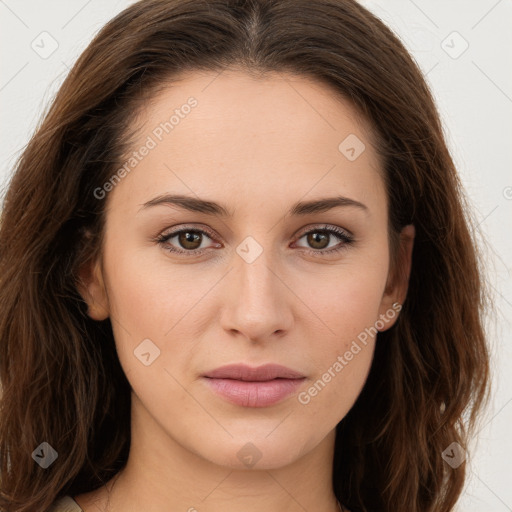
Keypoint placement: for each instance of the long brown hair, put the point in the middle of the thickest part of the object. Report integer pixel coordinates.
(61, 379)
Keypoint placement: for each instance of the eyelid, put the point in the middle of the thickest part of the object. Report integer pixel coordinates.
(346, 238)
(163, 238)
(211, 234)
(186, 227)
(344, 235)
(324, 227)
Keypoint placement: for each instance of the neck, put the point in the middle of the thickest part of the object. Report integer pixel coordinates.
(162, 474)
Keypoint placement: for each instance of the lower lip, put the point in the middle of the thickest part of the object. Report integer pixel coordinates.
(254, 394)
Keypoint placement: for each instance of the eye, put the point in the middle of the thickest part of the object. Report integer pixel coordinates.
(320, 237)
(190, 240)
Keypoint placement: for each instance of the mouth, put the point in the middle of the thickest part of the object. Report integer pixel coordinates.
(246, 386)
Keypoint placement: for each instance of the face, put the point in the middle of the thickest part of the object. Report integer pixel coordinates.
(257, 275)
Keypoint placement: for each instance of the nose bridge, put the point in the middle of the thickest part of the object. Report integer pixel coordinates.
(258, 282)
(259, 303)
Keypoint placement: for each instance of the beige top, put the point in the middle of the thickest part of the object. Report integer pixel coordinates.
(65, 504)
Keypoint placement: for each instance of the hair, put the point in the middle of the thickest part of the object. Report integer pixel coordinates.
(61, 379)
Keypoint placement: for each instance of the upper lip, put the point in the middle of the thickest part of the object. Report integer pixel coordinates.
(249, 373)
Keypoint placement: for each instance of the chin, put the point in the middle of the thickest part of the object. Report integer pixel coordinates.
(258, 452)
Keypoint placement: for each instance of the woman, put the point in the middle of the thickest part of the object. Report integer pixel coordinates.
(237, 273)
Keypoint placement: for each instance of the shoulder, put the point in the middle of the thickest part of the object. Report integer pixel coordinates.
(65, 504)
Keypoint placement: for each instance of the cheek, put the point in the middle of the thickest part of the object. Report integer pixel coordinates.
(150, 295)
(348, 306)
(342, 355)
(153, 299)
(144, 296)
(348, 301)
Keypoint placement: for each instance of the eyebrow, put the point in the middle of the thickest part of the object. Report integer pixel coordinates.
(194, 204)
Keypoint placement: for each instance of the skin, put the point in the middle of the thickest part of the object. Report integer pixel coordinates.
(256, 146)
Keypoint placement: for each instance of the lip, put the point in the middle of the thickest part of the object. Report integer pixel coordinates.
(249, 373)
(248, 386)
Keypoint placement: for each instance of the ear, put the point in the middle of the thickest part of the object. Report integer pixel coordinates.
(398, 280)
(91, 286)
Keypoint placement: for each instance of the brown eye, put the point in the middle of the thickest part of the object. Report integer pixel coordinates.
(318, 240)
(190, 240)
(186, 241)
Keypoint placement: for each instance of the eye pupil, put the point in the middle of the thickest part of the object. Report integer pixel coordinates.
(187, 237)
(315, 238)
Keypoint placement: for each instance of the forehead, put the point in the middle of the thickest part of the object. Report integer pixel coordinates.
(265, 136)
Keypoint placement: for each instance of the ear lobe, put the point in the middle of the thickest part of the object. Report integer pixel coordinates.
(91, 287)
(398, 281)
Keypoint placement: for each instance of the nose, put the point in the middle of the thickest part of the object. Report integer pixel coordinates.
(259, 302)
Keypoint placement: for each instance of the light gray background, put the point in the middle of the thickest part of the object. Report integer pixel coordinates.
(473, 90)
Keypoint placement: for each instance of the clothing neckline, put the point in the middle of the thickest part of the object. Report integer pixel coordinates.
(76, 503)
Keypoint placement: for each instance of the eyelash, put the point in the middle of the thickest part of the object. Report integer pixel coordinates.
(332, 230)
